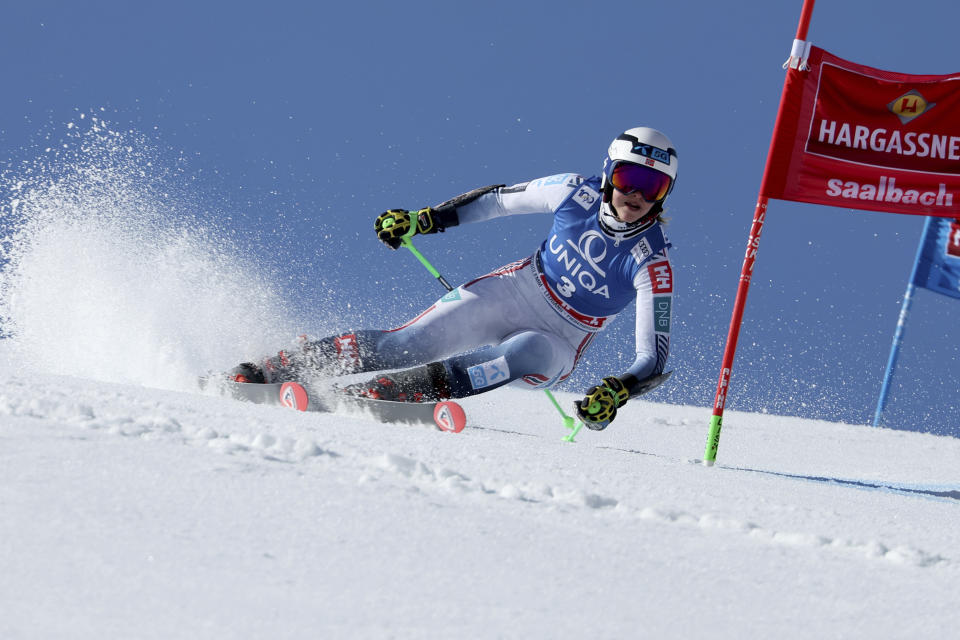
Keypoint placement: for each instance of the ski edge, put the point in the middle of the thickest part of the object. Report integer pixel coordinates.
(445, 415)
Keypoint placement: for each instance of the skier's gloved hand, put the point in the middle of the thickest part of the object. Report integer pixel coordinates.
(599, 407)
(394, 225)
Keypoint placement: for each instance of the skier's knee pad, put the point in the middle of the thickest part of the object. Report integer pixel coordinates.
(538, 358)
(529, 351)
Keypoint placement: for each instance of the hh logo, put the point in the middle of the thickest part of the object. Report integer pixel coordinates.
(909, 106)
(953, 240)
(661, 277)
(348, 351)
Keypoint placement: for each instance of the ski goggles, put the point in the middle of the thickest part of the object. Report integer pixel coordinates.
(628, 178)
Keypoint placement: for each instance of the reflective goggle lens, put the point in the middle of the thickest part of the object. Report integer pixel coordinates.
(652, 184)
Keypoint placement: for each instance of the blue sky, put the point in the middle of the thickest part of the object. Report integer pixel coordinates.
(304, 120)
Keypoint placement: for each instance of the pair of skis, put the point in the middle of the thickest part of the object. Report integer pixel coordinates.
(444, 415)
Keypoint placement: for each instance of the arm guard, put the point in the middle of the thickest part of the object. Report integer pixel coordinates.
(445, 213)
(637, 387)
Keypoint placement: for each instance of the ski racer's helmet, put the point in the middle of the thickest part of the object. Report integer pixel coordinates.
(647, 148)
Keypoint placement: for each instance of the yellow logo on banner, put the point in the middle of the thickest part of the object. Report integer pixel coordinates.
(909, 106)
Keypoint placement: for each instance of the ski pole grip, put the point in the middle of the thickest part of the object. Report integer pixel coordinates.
(411, 231)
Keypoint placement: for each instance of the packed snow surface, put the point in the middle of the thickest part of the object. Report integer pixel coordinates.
(136, 512)
(133, 506)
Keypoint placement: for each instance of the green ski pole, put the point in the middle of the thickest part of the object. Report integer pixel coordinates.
(408, 243)
(436, 274)
(568, 421)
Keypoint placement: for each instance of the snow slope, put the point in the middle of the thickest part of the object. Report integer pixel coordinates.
(143, 513)
(131, 511)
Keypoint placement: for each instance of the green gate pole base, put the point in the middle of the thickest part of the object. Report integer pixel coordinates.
(713, 441)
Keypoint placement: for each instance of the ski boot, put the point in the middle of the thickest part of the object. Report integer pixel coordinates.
(246, 372)
(309, 358)
(429, 383)
(280, 368)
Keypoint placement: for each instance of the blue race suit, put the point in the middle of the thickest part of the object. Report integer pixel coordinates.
(532, 320)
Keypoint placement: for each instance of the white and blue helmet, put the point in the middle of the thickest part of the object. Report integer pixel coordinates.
(642, 146)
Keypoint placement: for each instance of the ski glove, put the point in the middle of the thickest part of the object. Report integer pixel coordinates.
(599, 407)
(396, 224)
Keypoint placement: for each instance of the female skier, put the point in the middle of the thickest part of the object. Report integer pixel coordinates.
(532, 320)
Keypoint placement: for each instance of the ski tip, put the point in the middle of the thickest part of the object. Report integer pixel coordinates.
(294, 396)
(449, 416)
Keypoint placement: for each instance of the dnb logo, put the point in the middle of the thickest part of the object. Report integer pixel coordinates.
(909, 106)
(953, 240)
(661, 314)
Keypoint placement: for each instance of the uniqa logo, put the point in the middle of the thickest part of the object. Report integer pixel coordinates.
(590, 250)
(909, 106)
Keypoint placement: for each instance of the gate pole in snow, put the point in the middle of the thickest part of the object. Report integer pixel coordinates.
(901, 325)
(894, 354)
(753, 242)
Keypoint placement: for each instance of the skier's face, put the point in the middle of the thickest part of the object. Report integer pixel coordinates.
(630, 208)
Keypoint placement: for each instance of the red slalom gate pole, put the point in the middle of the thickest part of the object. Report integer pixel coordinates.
(726, 368)
(746, 271)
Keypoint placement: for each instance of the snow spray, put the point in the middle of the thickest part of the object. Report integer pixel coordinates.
(108, 269)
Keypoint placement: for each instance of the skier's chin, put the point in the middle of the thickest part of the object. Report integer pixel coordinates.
(630, 214)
